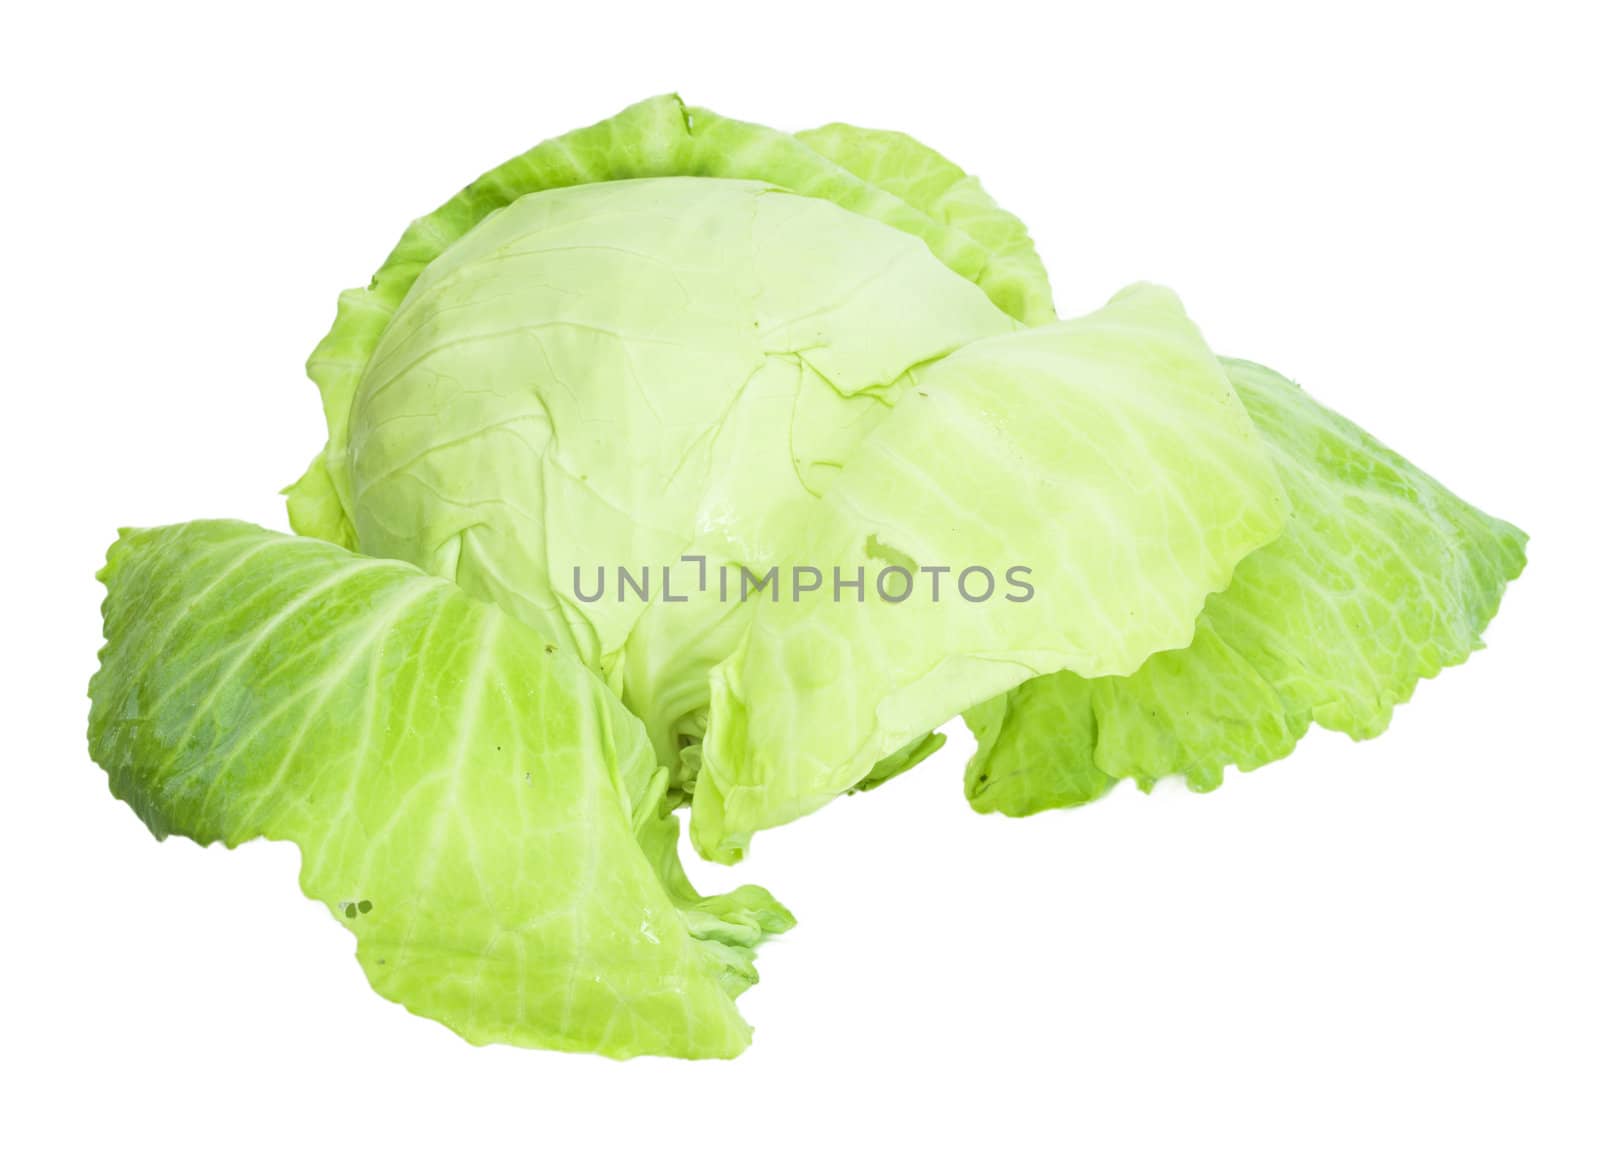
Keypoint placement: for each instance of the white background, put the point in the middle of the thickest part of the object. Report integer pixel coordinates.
(1387, 948)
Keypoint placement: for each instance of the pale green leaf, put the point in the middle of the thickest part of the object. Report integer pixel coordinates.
(473, 805)
(1381, 578)
(1108, 455)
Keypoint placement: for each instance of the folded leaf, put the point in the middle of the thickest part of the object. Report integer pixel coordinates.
(476, 807)
(1107, 455)
(1380, 579)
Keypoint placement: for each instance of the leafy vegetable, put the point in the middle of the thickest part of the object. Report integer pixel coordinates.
(673, 348)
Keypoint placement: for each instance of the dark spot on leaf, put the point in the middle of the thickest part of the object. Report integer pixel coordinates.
(350, 911)
(365, 906)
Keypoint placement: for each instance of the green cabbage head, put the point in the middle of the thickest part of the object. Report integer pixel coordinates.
(670, 349)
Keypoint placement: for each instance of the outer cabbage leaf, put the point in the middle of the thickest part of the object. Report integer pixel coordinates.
(476, 807)
(1013, 276)
(1109, 454)
(1381, 578)
(659, 137)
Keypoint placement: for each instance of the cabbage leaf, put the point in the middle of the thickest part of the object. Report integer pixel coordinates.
(472, 803)
(1381, 578)
(1108, 454)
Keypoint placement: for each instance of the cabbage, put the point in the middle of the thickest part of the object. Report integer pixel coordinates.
(670, 349)
(484, 435)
